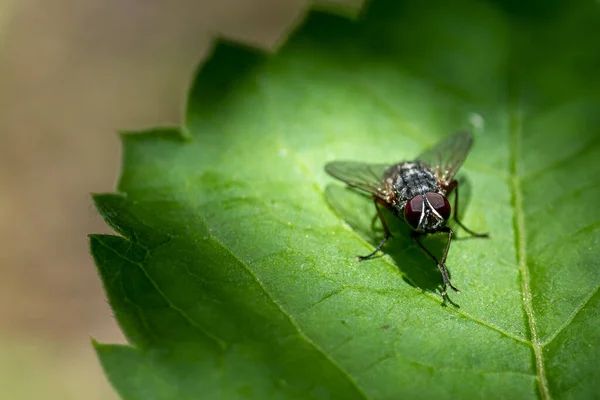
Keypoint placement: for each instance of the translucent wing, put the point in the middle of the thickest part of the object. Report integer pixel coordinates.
(448, 155)
(367, 177)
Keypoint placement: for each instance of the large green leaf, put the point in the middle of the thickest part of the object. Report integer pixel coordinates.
(235, 273)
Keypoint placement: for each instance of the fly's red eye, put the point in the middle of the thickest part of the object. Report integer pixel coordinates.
(413, 210)
(440, 204)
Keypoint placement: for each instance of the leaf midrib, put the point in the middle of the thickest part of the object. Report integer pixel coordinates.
(515, 127)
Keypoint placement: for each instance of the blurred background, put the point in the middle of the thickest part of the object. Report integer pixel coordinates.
(72, 73)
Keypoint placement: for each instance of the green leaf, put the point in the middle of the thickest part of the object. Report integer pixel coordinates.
(234, 275)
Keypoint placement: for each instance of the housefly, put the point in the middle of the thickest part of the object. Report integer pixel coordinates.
(415, 191)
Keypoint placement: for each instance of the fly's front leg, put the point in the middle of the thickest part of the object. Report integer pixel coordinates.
(376, 201)
(454, 186)
(441, 265)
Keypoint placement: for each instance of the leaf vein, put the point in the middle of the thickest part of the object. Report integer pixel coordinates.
(551, 168)
(571, 238)
(574, 314)
(521, 247)
(289, 317)
(201, 329)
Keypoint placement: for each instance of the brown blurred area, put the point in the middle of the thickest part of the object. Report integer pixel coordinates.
(72, 73)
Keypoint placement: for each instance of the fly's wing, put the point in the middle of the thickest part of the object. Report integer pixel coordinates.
(367, 177)
(448, 155)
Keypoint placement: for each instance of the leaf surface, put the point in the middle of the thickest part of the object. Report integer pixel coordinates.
(234, 275)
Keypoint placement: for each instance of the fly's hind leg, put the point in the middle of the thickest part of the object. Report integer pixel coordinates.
(386, 231)
(454, 186)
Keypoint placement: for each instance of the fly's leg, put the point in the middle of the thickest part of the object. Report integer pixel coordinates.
(385, 230)
(454, 186)
(441, 265)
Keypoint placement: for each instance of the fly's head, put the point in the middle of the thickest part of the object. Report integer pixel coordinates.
(427, 213)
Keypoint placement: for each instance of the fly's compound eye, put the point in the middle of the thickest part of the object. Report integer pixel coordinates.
(413, 210)
(440, 204)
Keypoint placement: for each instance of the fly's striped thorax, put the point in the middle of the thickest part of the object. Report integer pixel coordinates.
(409, 179)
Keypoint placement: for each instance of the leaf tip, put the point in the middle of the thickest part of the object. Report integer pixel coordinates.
(95, 344)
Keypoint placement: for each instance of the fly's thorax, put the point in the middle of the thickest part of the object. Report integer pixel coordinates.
(427, 212)
(410, 179)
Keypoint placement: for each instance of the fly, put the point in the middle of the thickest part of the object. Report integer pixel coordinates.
(415, 191)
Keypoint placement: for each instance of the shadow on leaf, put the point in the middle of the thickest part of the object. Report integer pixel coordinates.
(358, 211)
